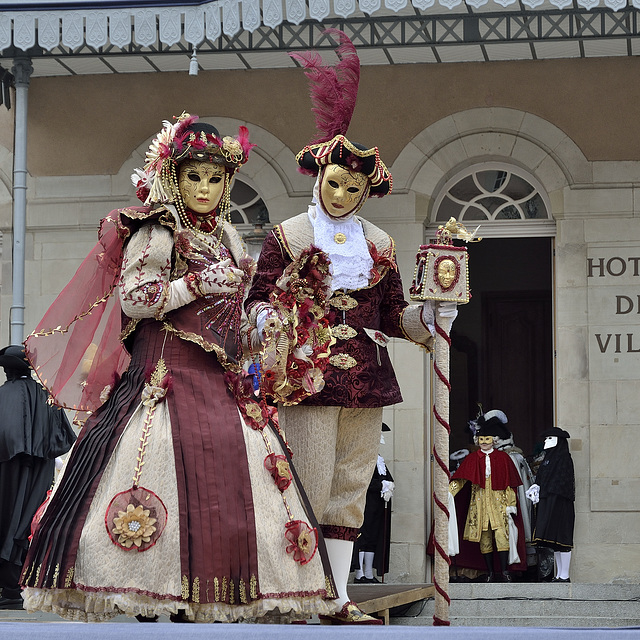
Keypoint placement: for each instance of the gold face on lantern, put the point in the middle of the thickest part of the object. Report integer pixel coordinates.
(341, 190)
(485, 442)
(201, 185)
(446, 273)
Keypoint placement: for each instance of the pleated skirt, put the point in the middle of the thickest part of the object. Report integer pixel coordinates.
(218, 552)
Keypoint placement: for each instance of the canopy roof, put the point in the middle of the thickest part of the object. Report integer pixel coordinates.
(71, 37)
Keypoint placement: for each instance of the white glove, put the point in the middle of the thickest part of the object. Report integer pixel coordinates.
(216, 278)
(429, 316)
(261, 320)
(512, 511)
(387, 490)
(448, 309)
(220, 278)
(533, 493)
(178, 296)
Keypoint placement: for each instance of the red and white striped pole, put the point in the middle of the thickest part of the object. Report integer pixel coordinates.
(441, 476)
(441, 275)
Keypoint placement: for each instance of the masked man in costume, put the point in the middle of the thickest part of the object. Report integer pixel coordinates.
(334, 385)
(32, 435)
(504, 441)
(554, 493)
(492, 503)
(205, 521)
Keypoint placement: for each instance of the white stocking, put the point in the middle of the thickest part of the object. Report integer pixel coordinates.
(563, 560)
(359, 571)
(368, 564)
(339, 552)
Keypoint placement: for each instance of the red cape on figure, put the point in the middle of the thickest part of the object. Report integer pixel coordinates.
(503, 474)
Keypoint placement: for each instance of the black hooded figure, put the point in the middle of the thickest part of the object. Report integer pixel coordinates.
(555, 513)
(32, 434)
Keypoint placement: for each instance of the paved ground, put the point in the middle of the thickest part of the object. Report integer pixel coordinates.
(119, 630)
(19, 625)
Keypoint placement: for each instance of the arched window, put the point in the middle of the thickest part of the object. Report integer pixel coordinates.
(247, 207)
(496, 196)
(249, 214)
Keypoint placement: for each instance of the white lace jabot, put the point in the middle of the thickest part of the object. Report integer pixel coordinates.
(351, 262)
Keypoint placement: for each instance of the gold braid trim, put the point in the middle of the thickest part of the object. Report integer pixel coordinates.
(129, 329)
(209, 347)
(68, 581)
(49, 332)
(253, 587)
(223, 593)
(56, 575)
(185, 588)
(243, 591)
(28, 575)
(195, 591)
(328, 585)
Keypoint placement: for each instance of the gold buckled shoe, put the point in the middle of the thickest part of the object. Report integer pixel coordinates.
(349, 614)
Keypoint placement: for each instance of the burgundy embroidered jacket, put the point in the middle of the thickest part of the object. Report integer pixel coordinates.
(359, 373)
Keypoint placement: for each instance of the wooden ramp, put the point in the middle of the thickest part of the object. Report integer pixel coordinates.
(377, 599)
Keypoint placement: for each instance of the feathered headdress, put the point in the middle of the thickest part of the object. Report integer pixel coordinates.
(186, 138)
(333, 91)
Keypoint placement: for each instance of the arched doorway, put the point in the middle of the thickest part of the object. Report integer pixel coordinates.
(502, 341)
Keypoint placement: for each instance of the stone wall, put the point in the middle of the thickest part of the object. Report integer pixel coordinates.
(587, 167)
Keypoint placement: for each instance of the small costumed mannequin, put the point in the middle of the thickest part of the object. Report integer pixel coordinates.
(331, 396)
(372, 545)
(554, 494)
(493, 503)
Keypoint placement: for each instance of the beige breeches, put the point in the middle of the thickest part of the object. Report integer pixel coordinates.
(334, 452)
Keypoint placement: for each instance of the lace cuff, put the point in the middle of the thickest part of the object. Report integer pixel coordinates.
(414, 327)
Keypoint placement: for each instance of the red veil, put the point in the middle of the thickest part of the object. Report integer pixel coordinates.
(76, 349)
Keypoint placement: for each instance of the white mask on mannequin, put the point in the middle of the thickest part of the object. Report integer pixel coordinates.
(550, 442)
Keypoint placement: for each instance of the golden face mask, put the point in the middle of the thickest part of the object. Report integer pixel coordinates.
(446, 273)
(341, 190)
(485, 442)
(201, 185)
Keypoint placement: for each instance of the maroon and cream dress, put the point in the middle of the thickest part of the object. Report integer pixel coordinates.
(179, 494)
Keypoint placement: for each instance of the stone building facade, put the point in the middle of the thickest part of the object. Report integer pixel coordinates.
(566, 129)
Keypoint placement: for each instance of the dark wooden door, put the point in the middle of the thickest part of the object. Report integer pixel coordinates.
(518, 361)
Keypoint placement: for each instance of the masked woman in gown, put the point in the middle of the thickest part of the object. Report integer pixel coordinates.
(179, 498)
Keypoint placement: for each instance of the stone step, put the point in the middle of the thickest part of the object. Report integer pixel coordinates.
(541, 621)
(535, 605)
(543, 590)
(550, 608)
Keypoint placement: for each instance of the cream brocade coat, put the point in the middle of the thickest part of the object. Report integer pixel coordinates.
(487, 508)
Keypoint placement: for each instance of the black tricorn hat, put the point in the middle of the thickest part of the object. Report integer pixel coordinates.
(350, 155)
(493, 427)
(555, 431)
(13, 357)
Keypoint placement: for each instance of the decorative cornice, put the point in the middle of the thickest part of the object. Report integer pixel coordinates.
(50, 24)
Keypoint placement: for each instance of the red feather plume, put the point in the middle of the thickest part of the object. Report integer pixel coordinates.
(333, 89)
